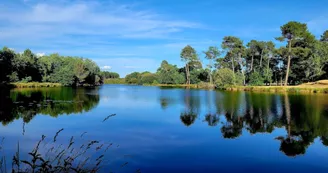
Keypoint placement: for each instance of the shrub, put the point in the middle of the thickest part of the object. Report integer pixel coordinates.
(26, 79)
(205, 85)
(224, 77)
(148, 78)
(13, 77)
(256, 79)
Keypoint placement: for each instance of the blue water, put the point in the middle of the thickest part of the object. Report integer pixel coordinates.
(175, 130)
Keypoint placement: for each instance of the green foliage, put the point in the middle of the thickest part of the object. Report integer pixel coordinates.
(298, 32)
(115, 81)
(141, 78)
(256, 79)
(224, 78)
(300, 47)
(27, 67)
(324, 36)
(308, 62)
(26, 79)
(267, 75)
(169, 74)
(109, 75)
(189, 56)
(230, 43)
(13, 77)
(148, 78)
(6, 57)
(133, 78)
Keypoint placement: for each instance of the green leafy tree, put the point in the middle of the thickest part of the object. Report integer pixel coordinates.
(148, 78)
(188, 55)
(256, 79)
(252, 50)
(6, 57)
(169, 74)
(234, 47)
(318, 62)
(297, 35)
(324, 36)
(211, 54)
(110, 75)
(133, 78)
(224, 77)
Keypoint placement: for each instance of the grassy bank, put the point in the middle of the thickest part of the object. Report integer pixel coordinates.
(195, 86)
(279, 89)
(34, 85)
(115, 81)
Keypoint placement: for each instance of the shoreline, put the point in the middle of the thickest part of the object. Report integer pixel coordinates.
(269, 89)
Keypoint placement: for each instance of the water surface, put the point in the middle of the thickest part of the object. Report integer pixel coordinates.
(175, 130)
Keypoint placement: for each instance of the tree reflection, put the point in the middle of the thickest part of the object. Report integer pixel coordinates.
(212, 119)
(192, 106)
(188, 118)
(233, 127)
(27, 103)
(304, 117)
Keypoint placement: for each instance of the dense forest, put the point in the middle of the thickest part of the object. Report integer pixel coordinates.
(303, 58)
(27, 67)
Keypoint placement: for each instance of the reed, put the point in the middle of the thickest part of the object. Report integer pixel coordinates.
(35, 84)
(115, 81)
(278, 89)
(49, 156)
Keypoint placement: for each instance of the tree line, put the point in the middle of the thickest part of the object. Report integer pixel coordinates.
(303, 59)
(67, 70)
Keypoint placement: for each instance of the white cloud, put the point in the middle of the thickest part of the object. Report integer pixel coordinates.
(106, 67)
(44, 21)
(40, 54)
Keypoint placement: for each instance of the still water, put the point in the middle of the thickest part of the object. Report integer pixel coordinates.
(153, 129)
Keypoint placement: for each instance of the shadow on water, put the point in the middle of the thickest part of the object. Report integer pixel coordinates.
(27, 103)
(304, 117)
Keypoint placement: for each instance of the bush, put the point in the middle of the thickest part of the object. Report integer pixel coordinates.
(239, 79)
(155, 82)
(256, 79)
(13, 77)
(224, 77)
(27, 79)
(205, 85)
(115, 81)
(148, 78)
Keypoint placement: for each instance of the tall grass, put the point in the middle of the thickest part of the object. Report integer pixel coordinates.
(48, 156)
(34, 84)
(115, 81)
(278, 89)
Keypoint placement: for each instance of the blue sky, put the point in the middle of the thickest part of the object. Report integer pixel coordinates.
(136, 35)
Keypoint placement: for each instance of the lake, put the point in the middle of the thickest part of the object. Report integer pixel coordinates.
(153, 129)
